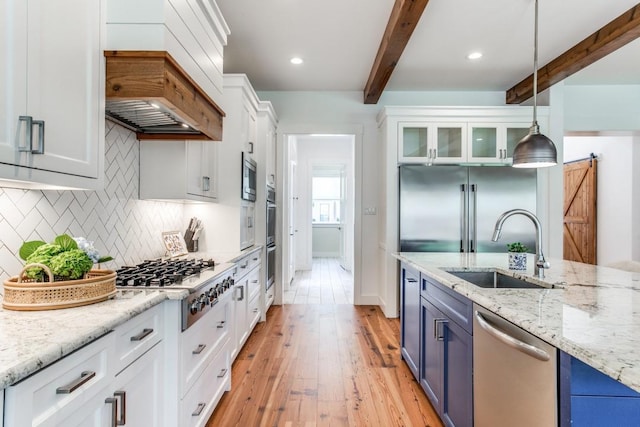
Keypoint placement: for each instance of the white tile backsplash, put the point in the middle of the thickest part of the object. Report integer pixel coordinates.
(118, 222)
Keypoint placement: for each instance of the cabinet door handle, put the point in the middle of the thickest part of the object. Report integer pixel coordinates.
(220, 324)
(40, 149)
(142, 335)
(411, 280)
(254, 281)
(114, 410)
(222, 373)
(199, 409)
(255, 310)
(251, 148)
(206, 183)
(437, 323)
(85, 376)
(29, 129)
(241, 289)
(199, 350)
(29, 135)
(122, 395)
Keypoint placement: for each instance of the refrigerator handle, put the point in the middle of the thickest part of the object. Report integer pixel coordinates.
(473, 218)
(464, 205)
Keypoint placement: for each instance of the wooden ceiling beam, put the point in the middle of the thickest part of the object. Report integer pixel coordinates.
(617, 33)
(403, 20)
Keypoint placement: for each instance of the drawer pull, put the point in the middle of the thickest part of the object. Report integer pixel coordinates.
(123, 407)
(221, 324)
(85, 376)
(199, 350)
(199, 409)
(114, 410)
(222, 373)
(254, 281)
(255, 310)
(142, 335)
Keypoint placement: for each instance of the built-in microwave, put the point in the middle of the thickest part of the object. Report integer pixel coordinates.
(249, 167)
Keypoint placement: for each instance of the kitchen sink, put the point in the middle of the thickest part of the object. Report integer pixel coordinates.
(495, 279)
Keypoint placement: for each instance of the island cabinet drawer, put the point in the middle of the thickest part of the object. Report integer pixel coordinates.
(455, 306)
(203, 339)
(50, 396)
(138, 335)
(199, 403)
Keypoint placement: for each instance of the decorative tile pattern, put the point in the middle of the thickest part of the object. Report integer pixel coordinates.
(118, 222)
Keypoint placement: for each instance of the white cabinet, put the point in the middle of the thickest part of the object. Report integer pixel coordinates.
(494, 142)
(52, 93)
(248, 127)
(117, 377)
(459, 135)
(247, 299)
(432, 142)
(68, 392)
(205, 363)
(137, 392)
(266, 149)
(254, 311)
(247, 224)
(178, 170)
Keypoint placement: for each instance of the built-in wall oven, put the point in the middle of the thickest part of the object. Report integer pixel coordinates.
(271, 216)
(271, 237)
(271, 265)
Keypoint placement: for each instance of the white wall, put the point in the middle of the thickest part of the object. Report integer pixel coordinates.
(602, 108)
(616, 216)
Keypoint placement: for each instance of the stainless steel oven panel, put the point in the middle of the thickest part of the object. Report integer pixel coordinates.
(271, 266)
(249, 167)
(271, 224)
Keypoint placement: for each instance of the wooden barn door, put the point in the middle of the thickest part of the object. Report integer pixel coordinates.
(580, 190)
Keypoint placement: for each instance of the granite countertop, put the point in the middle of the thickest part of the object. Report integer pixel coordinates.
(31, 340)
(593, 313)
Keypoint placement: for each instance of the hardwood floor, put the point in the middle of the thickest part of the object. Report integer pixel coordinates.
(323, 365)
(325, 283)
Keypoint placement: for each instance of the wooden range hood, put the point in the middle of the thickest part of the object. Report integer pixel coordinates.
(149, 93)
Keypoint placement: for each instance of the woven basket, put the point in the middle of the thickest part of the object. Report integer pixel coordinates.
(23, 294)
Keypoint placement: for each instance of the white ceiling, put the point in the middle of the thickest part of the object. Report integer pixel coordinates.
(338, 39)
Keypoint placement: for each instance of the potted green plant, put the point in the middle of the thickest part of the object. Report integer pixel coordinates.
(517, 256)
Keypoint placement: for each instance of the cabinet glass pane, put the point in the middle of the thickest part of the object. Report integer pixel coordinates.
(449, 142)
(514, 135)
(414, 142)
(483, 142)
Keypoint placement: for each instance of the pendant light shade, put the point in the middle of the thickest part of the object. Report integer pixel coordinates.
(535, 150)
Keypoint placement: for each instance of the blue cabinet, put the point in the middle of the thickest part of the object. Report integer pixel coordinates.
(410, 317)
(437, 344)
(590, 398)
(446, 358)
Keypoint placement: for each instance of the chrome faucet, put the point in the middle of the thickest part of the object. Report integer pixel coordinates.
(541, 263)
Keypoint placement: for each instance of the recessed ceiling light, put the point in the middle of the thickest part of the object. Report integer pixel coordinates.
(296, 60)
(474, 55)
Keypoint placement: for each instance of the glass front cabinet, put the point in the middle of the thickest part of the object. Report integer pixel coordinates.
(494, 142)
(432, 143)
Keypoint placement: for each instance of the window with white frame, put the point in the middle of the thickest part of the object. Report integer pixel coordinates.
(326, 191)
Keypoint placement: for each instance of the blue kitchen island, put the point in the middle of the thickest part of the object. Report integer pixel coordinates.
(590, 314)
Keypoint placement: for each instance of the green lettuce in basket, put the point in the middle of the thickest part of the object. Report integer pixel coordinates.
(64, 257)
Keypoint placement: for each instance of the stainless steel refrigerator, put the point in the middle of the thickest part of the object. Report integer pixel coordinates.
(455, 208)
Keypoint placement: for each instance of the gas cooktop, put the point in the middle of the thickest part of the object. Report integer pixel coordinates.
(165, 273)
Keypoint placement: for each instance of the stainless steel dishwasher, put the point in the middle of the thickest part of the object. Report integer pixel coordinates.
(514, 375)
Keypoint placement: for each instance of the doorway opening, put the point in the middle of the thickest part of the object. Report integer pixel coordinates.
(320, 187)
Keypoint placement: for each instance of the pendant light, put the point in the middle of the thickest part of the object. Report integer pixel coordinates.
(535, 150)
